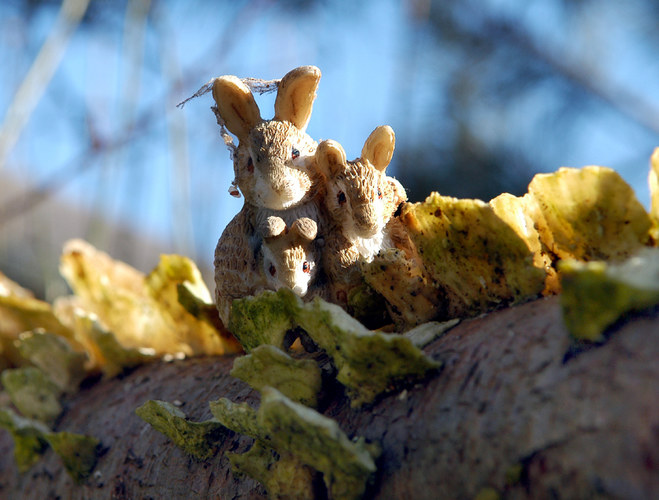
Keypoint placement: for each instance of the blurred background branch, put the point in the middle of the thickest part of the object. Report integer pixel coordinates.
(42, 70)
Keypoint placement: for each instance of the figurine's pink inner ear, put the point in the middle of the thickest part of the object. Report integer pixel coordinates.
(236, 105)
(379, 147)
(297, 91)
(331, 158)
(305, 228)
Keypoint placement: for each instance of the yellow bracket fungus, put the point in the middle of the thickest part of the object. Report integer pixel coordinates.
(476, 260)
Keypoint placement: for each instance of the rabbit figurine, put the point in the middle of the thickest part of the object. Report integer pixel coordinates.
(274, 165)
(361, 201)
(274, 161)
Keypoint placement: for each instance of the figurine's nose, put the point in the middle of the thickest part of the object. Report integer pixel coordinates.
(366, 220)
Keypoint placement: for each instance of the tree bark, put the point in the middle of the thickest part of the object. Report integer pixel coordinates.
(516, 408)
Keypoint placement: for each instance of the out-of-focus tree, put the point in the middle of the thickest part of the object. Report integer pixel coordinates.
(522, 85)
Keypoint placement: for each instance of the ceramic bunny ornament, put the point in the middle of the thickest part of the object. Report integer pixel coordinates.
(361, 201)
(275, 170)
(274, 161)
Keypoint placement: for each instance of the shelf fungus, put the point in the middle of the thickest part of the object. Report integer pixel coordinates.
(33, 393)
(587, 214)
(476, 260)
(301, 436)
(143, 311)
(79, 453)
(298, 379)
(596, 294)
(368, 363)
(21, 312)
(195, 438)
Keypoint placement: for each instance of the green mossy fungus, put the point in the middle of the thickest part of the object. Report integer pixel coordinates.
(368, 363)
(596, 294)
(292, 429)
(55, 356)
(198, 439)
(28, 436)
(266, 365)
(79, 453)
(282, 474)
(33, 393)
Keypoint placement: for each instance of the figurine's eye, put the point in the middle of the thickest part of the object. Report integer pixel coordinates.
(306, 268)
(379, 194)
(272, 270)
(295, 153)
(250, 165)
(341, 197)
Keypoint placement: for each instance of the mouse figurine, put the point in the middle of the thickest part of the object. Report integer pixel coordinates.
(291, 255)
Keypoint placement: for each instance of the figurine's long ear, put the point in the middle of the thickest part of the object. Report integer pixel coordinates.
(236, 104)
(305, 228)
(331, 158)
(297, 91)
(379, 147)
(272, 227)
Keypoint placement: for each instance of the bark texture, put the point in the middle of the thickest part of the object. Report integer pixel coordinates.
(515, 408)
